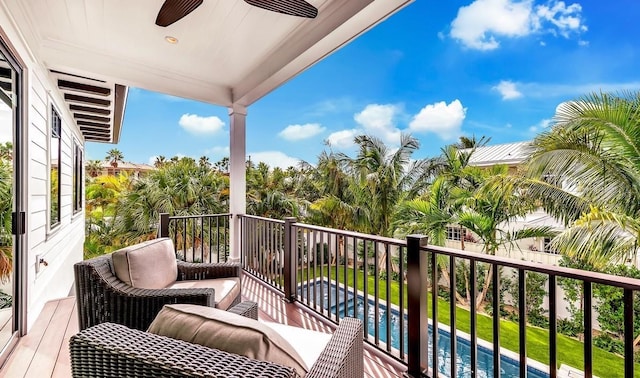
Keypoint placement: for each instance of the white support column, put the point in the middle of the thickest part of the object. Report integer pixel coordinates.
(237, 176)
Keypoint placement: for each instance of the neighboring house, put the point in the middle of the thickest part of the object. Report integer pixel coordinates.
(509, 154)
(535, 249)
(134, 170)
(65, 70)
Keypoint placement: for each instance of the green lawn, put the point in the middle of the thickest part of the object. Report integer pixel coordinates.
(570, 351)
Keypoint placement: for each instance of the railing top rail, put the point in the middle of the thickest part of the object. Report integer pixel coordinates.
(199, 216)
(352, 234)
(584, 275)
(261, 218)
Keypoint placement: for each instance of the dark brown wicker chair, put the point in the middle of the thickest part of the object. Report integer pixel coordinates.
(112, 350)
(102, 297)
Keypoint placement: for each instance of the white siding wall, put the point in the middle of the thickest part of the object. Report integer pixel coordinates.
(62, 247)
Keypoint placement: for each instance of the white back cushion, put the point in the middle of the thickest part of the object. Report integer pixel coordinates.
(148, 265)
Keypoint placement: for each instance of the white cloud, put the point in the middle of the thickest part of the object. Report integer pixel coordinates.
(152, 160)
(218, 151)
(299, 132)
(508, 90)
(274, 159)
(566, 19)
(478, 23)
(440, 118)
(540, 126)
(482, 23)
(196, 124)
(379, 121)
(342, 139)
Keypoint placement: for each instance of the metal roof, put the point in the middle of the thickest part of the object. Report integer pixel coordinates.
(508, 153)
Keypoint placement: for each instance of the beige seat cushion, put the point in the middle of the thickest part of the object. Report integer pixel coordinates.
(148, 265)
(309, 344)
(227, 289)
(226, 331)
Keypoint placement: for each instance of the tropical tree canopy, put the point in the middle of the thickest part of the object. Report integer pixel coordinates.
(93, 168)
(181, 188)
(586, 171)
(114, 156)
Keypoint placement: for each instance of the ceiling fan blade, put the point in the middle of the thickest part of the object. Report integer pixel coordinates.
(174, 10)
(298, 8)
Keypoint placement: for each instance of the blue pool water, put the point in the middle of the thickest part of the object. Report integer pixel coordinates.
(509, 366)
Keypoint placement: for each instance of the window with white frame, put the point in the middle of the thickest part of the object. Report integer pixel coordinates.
(453, 233)
(78, 179)
(55, 154)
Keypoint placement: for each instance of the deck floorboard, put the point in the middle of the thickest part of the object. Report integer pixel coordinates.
(44, 352)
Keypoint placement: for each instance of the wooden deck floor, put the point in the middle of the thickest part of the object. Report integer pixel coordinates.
(44, 351)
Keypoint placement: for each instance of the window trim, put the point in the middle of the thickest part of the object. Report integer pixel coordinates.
(454, 233)
(55, 123)
(78, 177)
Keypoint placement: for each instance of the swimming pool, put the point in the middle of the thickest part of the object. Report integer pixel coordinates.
(509, 366)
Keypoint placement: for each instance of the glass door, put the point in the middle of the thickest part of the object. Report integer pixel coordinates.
(11, 220)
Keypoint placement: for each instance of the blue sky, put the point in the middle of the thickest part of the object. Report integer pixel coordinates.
(436, 69)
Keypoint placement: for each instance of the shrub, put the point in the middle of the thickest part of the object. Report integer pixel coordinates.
(569, 327)
(606, 342)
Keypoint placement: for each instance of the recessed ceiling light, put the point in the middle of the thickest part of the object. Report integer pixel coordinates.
(171, 40)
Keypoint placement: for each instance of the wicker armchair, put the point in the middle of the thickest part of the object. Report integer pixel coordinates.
(112, 350)
(103, 297)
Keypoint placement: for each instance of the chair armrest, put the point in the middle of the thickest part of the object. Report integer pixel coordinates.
(204, 271)
(247, 309)
(113, 350)
(343, 355)
(102, 297)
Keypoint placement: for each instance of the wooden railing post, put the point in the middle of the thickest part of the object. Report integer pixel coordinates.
(417, 322)
(163, 227)
(290, 261)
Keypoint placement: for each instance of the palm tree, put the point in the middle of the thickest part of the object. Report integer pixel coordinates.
(93, 168)
(222, 165)
(178, 189)
(336, 206)
(489, 212)
(431, 215)
(102, 196)
(472, 142)
(472, 198)
(267, 195)
(160, 161)
(586, 171)
(204, 162)
(382, 177)
(114, 156)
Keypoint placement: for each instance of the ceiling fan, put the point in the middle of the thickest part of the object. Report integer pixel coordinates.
(174, 10)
